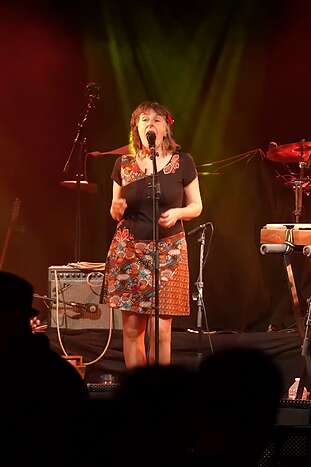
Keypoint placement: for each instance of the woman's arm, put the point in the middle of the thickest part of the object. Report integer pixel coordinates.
(193, 201)
(193, 207)
(118, 204)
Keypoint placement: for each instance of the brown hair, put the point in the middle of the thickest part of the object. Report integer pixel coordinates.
(169, 143)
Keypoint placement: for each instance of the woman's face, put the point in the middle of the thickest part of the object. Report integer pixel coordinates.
(151, 121)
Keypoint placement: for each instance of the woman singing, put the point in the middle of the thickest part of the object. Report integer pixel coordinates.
(129, 283)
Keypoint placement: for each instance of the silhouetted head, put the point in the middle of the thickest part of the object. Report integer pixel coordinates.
(157, 403)
(16, 295)
(239, 391)
(16, 309)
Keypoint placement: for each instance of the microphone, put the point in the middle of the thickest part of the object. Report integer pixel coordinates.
(201, 226)
(282, 248)
(93, 90)
(151, 137)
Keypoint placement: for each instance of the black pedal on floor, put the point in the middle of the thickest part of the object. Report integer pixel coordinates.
(104, 390)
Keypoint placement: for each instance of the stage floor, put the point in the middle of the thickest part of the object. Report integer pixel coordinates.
(284, 346)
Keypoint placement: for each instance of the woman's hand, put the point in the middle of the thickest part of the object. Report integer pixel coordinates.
(36, 325)
(117, 209)
(169, 218)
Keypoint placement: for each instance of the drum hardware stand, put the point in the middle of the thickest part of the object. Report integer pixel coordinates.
(93, 92)
(305, 348)
(302, 182)
(298, 189)
(305, 352)
(299, 153)
(286, 249)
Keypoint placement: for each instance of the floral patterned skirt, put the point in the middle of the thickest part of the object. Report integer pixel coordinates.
(129, 275)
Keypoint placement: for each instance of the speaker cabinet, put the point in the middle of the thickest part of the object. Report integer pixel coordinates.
(75, 295)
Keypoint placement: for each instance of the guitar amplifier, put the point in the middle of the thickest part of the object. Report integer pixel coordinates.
(74, 296)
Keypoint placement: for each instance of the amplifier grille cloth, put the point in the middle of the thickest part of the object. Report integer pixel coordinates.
(78, 294)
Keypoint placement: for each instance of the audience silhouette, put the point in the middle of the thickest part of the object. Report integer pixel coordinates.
(239, 390)
(219, 414)
(42, 395)
(156, 404)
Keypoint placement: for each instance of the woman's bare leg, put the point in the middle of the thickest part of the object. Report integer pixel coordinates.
(165, 334)
(134, 327)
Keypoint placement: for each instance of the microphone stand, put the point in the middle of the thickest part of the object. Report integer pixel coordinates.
(155, 233)
(93, 95)
(198, 296)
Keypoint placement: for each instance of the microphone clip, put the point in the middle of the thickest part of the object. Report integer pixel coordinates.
(93, 91)
(200, 227)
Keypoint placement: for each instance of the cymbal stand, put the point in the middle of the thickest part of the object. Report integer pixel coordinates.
(298, 189)
(298, 184)
(93, 95)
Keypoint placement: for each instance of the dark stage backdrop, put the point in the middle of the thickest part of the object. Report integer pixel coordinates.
(235, 75)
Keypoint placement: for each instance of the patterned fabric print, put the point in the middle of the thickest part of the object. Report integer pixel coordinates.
(172, 166)
(130, 171)
(129, 275)
(174, 297)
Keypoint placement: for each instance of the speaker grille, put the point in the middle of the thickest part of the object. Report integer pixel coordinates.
(78, 299)
(290, 447)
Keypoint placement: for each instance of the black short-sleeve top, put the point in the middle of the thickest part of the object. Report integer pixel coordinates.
(137, 190)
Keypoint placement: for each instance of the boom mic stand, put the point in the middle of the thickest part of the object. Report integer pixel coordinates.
(93, 92)
(156, 191)
(199, 285)
(198, 296)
